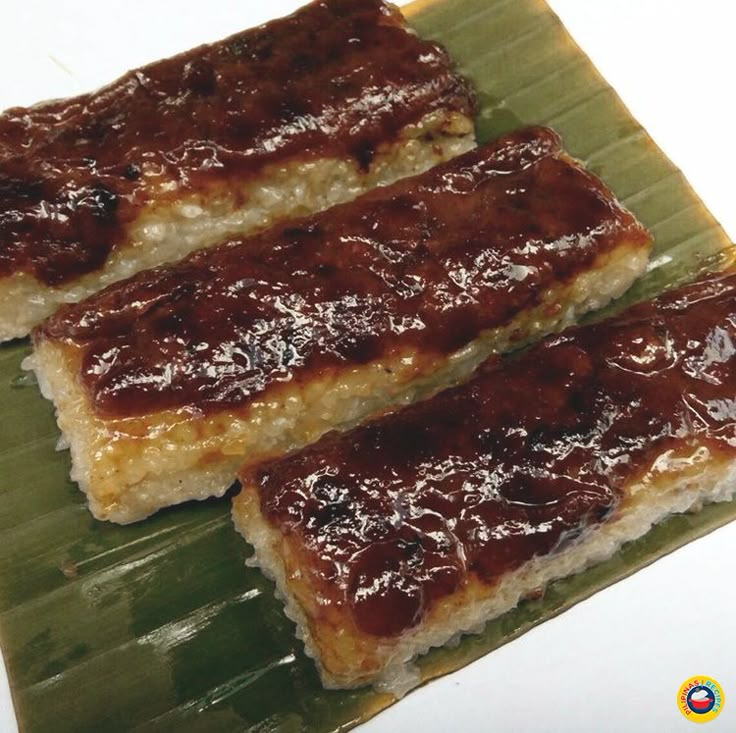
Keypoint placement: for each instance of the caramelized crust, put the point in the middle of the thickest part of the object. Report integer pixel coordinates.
(423, 266)
(392, 531)
(338, 79)
(164, 384)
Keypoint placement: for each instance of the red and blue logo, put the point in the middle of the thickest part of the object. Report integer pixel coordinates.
(700, 700)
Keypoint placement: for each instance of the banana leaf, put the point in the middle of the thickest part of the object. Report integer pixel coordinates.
(160, 626)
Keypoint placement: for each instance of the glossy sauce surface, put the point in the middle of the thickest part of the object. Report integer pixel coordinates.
(335, 79)
(397, 514)
(425, 264)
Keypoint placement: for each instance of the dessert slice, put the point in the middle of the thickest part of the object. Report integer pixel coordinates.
(420, 526)
(166, 383)
(274, 122)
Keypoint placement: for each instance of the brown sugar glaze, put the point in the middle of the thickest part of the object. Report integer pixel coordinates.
(424, 264)
(397, 514)
(335, 79)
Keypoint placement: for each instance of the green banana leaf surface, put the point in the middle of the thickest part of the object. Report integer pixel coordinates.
(160, 626)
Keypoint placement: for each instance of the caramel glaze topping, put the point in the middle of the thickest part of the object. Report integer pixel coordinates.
(423, 265)
(398, 514)
(337, 78)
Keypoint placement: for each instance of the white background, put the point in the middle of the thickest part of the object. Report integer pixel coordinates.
(613, 663)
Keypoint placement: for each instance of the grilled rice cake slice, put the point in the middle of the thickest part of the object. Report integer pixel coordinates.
(426, 523)
(166, 383)
(274, 122)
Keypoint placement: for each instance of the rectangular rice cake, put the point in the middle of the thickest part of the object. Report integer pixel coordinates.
(274, 122)
(167, 383)
(423, 525)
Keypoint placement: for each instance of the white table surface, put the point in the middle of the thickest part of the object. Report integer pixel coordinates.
(614, 662)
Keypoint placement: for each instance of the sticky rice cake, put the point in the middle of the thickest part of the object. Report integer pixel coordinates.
(425, 524)
(274, 122)
(167, 383)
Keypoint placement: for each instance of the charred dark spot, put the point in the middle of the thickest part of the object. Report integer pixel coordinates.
(263, 53)
(537, 437)
(326, 269)
(303, 63)
(487, 441)
(240, 127)
(329, 513)
(410, 548)
(519, 203)
(200, 77)
(20, 188)
(581, 401)
(361, 349)
(303, 232)
(183, 291)
(325, 489)
(132, 172)
(419, 254)
(95, 130)
(364, 154)
(102, 202)
(292, 109)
